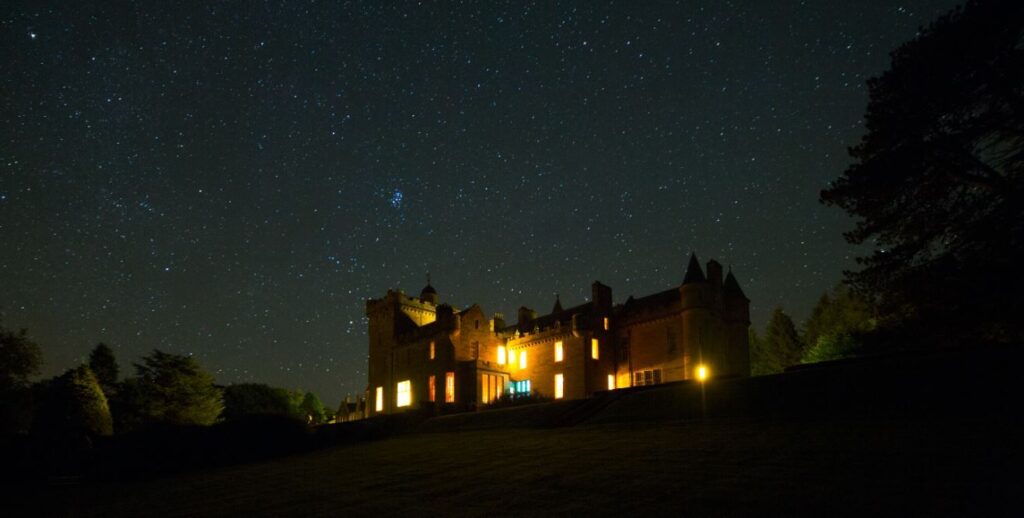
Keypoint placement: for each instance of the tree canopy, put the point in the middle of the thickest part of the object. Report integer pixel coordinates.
(779, 348)
(169, 388)
(936, 182)
(313, 408)
(245, 399)
(74, 404)
(104, 366)
(836, 326)
(20, 358)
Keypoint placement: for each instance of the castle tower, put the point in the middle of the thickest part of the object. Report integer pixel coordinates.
(390, 316)
(737, 325)
(697, 301)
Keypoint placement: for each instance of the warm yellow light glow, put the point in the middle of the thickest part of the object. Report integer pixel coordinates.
(449, 387)
(593, 348)
(605, 323)
(431, 350)
(501, 355)
(702, 372)
(403, 394)
(379, 400)
(522, 359)
(558, 351)
(511, 358)
(432, 387)
(559, 386)
(611, 382)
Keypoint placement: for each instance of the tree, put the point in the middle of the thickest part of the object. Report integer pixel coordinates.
(936, 183)
(73, 406)
(837, 325)
(313, 408)
(20, 358)
(169, 388)
(781, 343)
(245, 399)
(104, 366)
(760, 361)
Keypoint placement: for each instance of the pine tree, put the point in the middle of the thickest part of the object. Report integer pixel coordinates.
(782, 343)
(104, 366)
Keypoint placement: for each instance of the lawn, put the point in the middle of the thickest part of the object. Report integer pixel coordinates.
(718, 467)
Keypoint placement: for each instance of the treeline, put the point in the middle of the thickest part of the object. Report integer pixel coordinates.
(841, 325)
(91, 400)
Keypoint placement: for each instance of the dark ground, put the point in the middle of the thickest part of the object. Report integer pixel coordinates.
(932, 435)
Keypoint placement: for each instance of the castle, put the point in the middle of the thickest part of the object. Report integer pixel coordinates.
(426, 353)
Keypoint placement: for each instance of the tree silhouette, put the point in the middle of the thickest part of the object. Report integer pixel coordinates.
(936, 181)
(20, 358)
(781, 343)
(168, 388)
(313, 408)
(104, 366)
(73, 406)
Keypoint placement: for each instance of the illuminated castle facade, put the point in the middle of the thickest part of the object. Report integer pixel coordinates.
(423, 352)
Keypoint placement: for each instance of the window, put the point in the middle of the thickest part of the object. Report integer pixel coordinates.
(593, 348)
(511, 357)
(647, 377)
(431, 349)
(522, 359)
(501, 355)
(558, 351)
(519, 388)
(403, 394)
(449, 387)
(432, 387)
(559, 386)
(605, 323)
(380, 399)
(491, 387)
(611, 382)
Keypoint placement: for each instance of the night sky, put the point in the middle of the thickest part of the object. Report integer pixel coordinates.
(233, 180)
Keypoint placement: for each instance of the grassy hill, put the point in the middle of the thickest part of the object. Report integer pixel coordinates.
(901, 435)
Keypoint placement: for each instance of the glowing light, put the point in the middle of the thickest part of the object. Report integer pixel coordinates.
(501, 355)
(431, 350)
(403, 395)
(558, 351)
(522, 359)
(611, 382)
(702, 372)
(593, 348)
(432, 387)
(449, 387)
(605, 323)
(559, 386)
(511, 357)
(380, 399)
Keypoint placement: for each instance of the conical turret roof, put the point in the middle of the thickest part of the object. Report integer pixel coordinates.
(731, 287)
(693, 271)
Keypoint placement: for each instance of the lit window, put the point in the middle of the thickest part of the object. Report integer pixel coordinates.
(593, 348)
(449, 387)
(431, 350)
(519, 388)
(611, 382)
(522, 359)
(511, 357)
(605, 323)
(403, 395)
(432, 387)
(558, 351)
(559, 386)
(380, 399)
(501, 355)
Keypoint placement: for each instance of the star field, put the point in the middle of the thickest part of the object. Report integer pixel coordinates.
(233, 180)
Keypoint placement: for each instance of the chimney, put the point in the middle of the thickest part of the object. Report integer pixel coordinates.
(601, 296)
(715, 273)
(526, 315)
(499, 321)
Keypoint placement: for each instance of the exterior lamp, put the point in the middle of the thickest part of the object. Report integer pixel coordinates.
(702, 373)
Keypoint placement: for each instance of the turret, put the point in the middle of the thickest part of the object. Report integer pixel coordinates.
(695, 290)
(428, 294)
(558, 306)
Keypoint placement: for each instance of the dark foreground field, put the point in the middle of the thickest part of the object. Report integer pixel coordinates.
(724, 467)
(923, 435)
